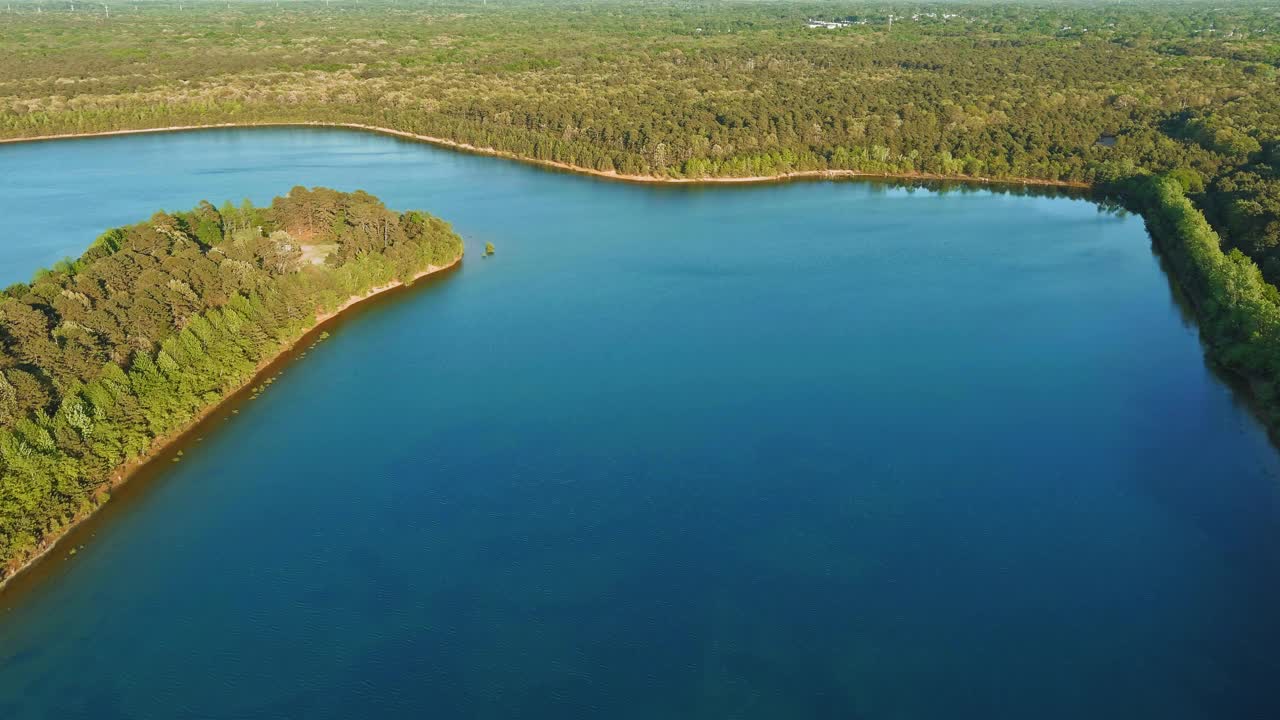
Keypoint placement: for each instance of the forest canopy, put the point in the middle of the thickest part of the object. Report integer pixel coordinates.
(1082, 91)
(155, 322)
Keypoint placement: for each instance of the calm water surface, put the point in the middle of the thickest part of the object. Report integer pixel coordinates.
(823, 450)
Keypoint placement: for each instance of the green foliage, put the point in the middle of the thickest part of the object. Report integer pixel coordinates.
(102, 355)
(1082, 92)
(1189, 180)
(1239, 312)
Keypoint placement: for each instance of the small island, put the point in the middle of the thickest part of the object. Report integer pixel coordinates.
(105, 358)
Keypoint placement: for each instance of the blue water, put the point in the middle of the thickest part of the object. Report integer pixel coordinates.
(818, 450)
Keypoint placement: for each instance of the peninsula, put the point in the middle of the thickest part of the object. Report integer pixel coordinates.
(105, 358)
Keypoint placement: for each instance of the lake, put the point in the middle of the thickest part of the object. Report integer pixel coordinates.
(807, 450)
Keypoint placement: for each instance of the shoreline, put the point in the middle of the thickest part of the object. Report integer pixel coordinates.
(605, 174)
(126, 471)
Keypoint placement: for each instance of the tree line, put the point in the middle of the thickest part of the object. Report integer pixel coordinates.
(1089, 92)
(1238, 311)
(1082, 92)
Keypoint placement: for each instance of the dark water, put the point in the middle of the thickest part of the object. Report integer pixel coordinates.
(824, 450)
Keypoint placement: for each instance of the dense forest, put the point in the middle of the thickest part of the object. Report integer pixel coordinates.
(154, 323)
(1067, 91)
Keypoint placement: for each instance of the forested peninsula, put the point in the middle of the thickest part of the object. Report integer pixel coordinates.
(105, 357)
